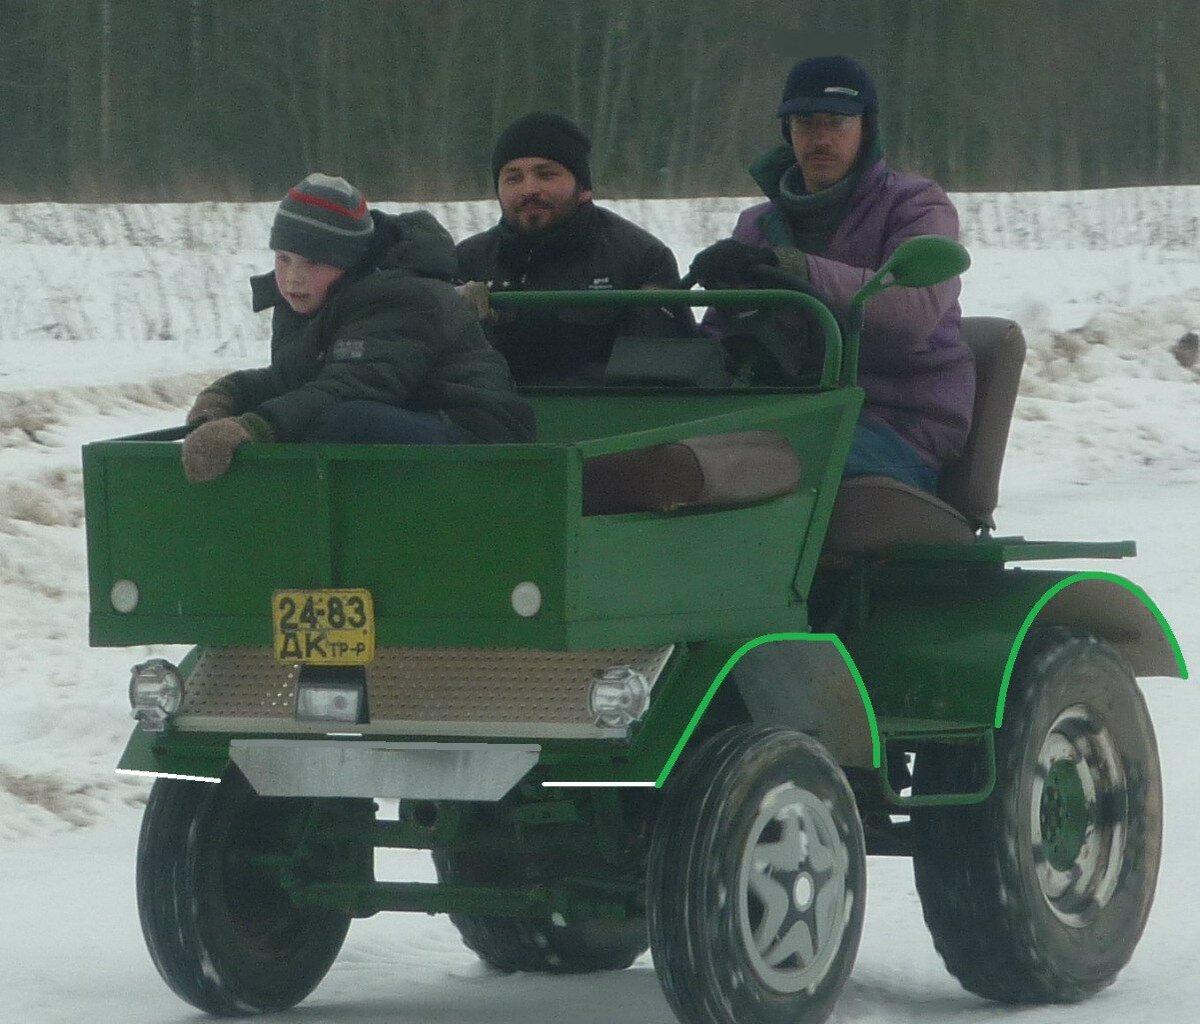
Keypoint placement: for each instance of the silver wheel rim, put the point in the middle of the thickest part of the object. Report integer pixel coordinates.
(794, 900)
(1082, 746)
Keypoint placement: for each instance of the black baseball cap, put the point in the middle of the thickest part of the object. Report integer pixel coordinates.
(828, 85)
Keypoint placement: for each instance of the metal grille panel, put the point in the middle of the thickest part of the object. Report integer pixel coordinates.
(505, 687)
(240, 682)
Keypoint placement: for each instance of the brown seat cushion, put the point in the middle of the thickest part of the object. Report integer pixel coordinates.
(716, 470)
(872, 513)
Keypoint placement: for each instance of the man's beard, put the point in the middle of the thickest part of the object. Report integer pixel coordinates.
(548, 215)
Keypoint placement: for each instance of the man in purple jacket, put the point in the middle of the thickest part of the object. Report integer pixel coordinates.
(834, 214)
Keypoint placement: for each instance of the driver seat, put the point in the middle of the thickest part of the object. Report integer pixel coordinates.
(873, 513)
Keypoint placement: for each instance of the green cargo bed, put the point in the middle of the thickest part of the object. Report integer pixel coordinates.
(441, 536)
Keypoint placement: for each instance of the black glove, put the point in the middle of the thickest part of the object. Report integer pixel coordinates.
(728, 263)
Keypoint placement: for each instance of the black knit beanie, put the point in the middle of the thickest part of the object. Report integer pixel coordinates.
(324, 219)
(549, 136)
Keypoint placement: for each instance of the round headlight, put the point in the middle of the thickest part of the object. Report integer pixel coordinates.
(618, 696)
(156, 686)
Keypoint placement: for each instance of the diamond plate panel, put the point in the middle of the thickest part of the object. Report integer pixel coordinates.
(498, 687)
(240, 682)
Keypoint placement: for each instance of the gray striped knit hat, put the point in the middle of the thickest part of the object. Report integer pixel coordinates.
(324, 219)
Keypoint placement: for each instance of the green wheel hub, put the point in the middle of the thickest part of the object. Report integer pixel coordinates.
(1064, 815)
(1078, 815)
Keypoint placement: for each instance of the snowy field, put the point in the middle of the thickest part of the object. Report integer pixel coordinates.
(112, 317)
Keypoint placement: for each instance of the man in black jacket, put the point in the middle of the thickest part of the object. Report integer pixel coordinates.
(552, 237)
(369, 342)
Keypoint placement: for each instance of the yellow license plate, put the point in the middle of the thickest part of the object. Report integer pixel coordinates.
(323, 627)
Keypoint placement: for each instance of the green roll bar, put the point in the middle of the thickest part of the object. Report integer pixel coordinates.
(917, 262)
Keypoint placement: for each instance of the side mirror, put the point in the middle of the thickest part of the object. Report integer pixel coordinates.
(918, 263)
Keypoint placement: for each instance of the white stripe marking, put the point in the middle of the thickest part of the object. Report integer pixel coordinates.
(599, 785)
(166, 775)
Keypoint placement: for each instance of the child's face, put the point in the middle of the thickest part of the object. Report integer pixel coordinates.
(304, 284)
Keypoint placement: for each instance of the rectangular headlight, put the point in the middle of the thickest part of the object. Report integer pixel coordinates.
(332, 695)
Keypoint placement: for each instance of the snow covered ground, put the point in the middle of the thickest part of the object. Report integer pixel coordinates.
(112, 317)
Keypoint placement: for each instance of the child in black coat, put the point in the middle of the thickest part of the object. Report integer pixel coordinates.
(369, 343)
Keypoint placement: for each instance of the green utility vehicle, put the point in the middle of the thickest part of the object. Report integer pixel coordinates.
(660, 680)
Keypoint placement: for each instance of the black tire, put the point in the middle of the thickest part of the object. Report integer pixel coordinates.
(548, 945)
(723, 918)
(224, 935)
(1041, 893)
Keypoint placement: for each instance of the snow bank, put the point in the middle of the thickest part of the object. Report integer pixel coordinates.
(176, 273)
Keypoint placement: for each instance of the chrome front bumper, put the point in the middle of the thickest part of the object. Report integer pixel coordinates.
(366, 768)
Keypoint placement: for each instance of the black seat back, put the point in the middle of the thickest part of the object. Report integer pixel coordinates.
(971, 484)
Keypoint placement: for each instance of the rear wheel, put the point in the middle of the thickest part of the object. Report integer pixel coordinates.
(1041, 893)
(757, 881)
(222, 932)
(548, 944)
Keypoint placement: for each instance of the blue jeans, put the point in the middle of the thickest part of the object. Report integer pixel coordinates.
(877, 450)
(360, 421)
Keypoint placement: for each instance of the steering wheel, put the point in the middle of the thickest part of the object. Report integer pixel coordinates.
(777, 277)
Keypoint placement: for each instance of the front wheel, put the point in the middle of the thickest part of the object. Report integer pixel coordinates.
(222, 932)
(756, 883)
(1041, 893)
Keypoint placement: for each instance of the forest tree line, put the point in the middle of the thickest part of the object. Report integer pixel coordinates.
(159, 100)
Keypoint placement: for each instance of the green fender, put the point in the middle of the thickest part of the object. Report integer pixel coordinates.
(1112, 607)
(806, 681)
(941, 646)
(163, 755)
